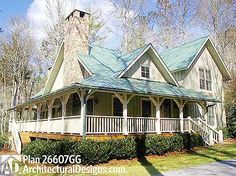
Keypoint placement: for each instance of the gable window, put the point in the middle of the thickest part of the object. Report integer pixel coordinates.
(145, 71)
(117, 107)
(208, 80)
(202, 78)
(205, 79)
(146, 108)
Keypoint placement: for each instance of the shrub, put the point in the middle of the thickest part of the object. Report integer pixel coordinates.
(38, 148)
(122, 148)
(93, 152)
(192, 140)
(3, 140)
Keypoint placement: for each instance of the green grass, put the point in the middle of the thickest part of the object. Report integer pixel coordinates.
(158, 164)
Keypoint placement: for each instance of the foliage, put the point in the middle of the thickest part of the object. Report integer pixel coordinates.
(192, 140)
(94, 152)
(230, 107)
(3, 140)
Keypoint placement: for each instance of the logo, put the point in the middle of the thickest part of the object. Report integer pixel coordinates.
(9, 165)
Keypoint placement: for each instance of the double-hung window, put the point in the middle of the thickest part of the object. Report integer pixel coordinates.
(205, 79)
(208, 80)
(202, 78)
(211, 119)
(145, 71)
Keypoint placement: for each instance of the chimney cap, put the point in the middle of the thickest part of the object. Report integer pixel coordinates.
(77, 11)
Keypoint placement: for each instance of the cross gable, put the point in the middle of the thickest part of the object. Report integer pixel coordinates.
(149, 56)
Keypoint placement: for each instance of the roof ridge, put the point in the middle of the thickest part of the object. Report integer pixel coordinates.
(184, 44)
(144, 46)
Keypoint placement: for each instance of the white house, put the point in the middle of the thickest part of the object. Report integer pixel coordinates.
(94, 91)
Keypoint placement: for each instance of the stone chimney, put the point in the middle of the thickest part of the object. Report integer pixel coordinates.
(75, 41)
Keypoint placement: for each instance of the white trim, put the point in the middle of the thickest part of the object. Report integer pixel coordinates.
(149, 46)
(197, 57)
(164, 65)
(52, 69)
(141, 108)
(85, 67)
(135, 60)
(221, 60)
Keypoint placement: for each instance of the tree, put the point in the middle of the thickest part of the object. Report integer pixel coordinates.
(18, 65)
(218, 18)
(131, 23)
(57, 11)
(173, 18)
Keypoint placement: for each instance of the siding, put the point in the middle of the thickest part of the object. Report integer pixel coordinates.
(190, 80)
(135, 70)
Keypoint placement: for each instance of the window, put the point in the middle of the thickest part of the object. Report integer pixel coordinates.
(90, 106)
(117, 107)
(208, 80)
(205, 79)
(146, 108)
(145, 72)
(202, 78)
(211, 120)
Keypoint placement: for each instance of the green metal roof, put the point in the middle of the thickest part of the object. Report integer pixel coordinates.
(137, 86)
(105, 64)
(180, 58)
(143, 87)
(104, 61)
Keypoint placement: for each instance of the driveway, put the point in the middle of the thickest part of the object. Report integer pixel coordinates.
(222, 168)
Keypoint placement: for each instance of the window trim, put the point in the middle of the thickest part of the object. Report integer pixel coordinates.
(141, 108)
(205, 79)
(147, 66)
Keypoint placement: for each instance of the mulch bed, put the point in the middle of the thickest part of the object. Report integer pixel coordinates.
(230, 141)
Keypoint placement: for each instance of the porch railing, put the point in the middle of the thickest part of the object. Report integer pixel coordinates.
(104, 124)
(141, 124)
(170, 124)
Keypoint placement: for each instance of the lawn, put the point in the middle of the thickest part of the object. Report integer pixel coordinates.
(153, 165)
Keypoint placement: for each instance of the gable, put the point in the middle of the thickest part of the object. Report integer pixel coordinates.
(183, 57)
(58, 83)
(54, 71)
(135, 70)
(156, 59)
(57, 75)
(191, 79)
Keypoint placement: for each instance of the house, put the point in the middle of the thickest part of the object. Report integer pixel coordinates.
(96, 91)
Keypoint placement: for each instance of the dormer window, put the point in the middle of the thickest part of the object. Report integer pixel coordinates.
(145, 71)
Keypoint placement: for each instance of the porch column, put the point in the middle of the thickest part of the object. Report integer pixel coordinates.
(157, 101)
(39, 105)
(124, 99)
(50, 104)
(64, 99)
(84, 96)
(29, 117)
(180, 104)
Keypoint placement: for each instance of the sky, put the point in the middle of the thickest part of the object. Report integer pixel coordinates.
(34, 11)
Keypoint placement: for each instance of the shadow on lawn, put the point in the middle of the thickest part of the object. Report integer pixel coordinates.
(225, 153)
(140, 153)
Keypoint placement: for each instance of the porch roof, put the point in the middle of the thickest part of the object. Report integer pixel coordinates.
(136, 86)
